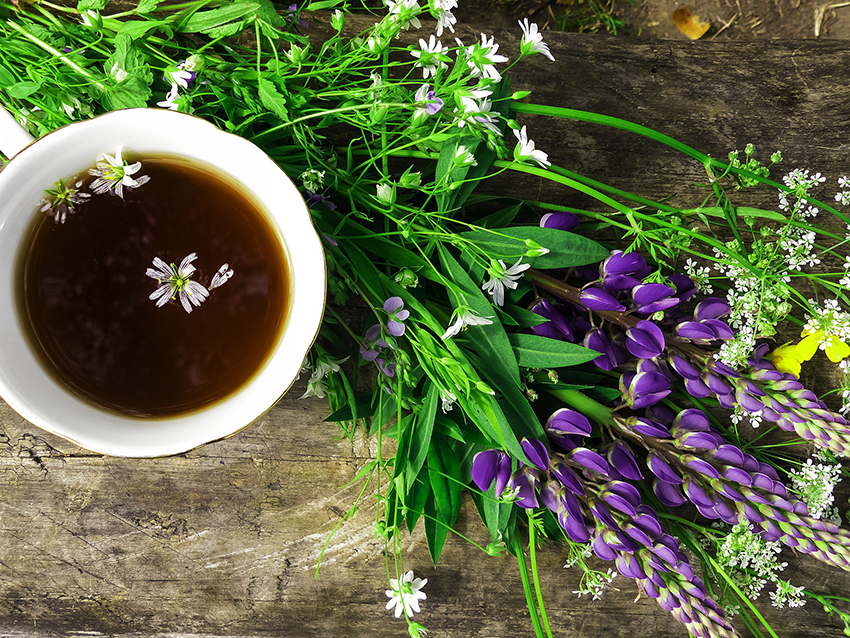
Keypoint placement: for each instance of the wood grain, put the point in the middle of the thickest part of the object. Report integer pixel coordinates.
(224, 540)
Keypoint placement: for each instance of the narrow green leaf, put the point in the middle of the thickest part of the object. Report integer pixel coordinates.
(137, 28)
(363, 405)
(416, 498)
(533, 351)
(322, 5)
(524, 318)
(6, 77)
(435, 530)
(206, 20)
(451, 466)
(490, 340)
(501, 218)
(420, 439)
(565, 249)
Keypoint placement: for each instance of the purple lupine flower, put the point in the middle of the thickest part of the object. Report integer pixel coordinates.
(685, 286)
(372, 343)
(652, 298)
(620, 263)
(711, 308)
(644, 388)
(589, 459)
(561, 220)
(645, 340)
(599, 300)
(394, 307)
(621, 459)
(536, 453)
(523, 483)
(565, 421)
(489, 466)
(557, 327)
(612, 354)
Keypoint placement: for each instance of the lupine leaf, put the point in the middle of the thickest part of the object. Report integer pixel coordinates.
(524, 318)
(501, 218)
(435, 530)
(534, 351)
(565, 249)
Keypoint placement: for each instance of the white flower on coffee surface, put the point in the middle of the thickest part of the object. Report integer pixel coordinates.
(222, 276)
(114, 174)
(61, 200)
(405, 595)
(176, 283)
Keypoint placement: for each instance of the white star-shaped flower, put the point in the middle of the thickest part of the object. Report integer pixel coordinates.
(532, 41)
(114, 175)
(525, 150)
(405, 596)
(502, 277)
(464, 317)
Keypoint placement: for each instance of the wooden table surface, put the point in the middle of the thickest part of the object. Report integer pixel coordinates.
(224, 540)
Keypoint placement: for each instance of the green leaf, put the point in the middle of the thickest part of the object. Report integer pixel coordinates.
(435, 530)
(534, 351)
(204, 21)
(420, 439)
(363, 405)
(417, 495)
(322, 5)
(565, 249)
(146, 6)
(491, 340)
(6, 77)
(500, 218)
(273, 100)
(137, 28)
(524, 318)
(91, 5)
(23, 89)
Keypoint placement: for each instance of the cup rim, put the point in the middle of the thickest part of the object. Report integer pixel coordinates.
(308, 254)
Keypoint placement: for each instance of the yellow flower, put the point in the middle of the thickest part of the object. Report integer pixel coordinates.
(786, 358)
(834, 347)
(789, 357)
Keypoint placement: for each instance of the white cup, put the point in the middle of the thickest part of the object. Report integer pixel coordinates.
(36, 166)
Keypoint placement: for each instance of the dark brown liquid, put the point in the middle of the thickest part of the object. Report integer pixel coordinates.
(84, 293)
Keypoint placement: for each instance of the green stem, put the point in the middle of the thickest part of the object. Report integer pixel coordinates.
(584, 404)
(532, 553)
(516, 544)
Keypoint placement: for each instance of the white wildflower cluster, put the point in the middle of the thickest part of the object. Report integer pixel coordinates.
(593, 583)
(700, 276)
(576, 556)
(800, 181)
(740, 415)
(815, 482)
(845, 279)
(756, 305)
(754, 560)
(787, 595)
(843, 197)
(312, 180)
(799, 246)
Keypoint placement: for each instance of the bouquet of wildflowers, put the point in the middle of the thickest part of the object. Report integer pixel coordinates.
(592, 396)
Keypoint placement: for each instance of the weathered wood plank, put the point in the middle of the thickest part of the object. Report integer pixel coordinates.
(224, 540)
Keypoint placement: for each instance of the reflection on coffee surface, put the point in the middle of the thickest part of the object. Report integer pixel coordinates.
(153, 286)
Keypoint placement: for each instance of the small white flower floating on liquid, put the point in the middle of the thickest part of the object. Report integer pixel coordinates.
(176, 282)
